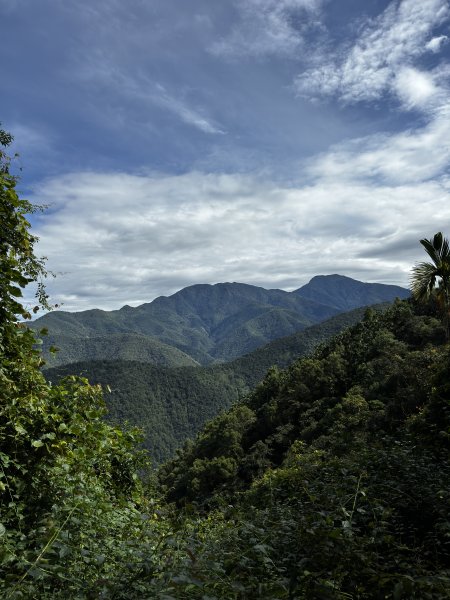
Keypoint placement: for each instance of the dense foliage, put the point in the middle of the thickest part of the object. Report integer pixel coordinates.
(172, 404)
(332, 479)
(69, 489)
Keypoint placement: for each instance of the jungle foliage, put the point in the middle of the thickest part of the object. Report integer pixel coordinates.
(332, 478)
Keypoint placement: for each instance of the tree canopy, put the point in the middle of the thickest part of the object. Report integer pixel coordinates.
(433, 278)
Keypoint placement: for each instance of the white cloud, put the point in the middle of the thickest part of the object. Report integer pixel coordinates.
(358, 209)
(436, 43)
(124, 239)
(369, 67)
(415, 88)
(409, 156)
(269, 27)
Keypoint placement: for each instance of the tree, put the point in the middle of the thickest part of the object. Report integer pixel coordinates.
(433, 278)
(19, 265)
(69, 487)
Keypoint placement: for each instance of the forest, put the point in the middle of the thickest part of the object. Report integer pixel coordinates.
(328, 480)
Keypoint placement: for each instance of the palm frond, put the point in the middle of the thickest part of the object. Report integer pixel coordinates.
(423, 280)
(445, 251)
(432, 247)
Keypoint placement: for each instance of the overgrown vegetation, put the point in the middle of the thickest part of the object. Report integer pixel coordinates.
(331, 480)
(69, 490)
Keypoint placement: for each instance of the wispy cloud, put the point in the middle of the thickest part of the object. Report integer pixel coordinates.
(138, 87)
(436, 43)
(184, 112)
(411, 156)
(269, 27)
(368, 68)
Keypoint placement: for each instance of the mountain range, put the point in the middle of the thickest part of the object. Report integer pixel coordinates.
(203, 324)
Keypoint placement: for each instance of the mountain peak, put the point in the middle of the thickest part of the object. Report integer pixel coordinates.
(345, 293)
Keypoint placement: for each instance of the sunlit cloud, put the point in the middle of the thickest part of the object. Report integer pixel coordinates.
(368, 68)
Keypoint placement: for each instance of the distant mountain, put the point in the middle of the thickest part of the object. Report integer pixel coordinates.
(115, 346)
(344, 293)
(172, 404)
(206, 323)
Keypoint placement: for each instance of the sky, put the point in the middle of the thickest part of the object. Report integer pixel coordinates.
(178, 142)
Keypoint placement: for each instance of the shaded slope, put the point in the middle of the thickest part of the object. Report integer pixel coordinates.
(172, 404)
(332, 478)
(115, 346)
(370, 378)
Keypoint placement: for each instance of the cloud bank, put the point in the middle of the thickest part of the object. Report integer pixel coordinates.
(263, 141)
(120, 238)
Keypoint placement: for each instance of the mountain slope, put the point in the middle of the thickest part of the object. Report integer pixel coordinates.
(210, 323)
(115, 346)
(331, 480)
(344, 293)
(371, 379)
(172, 404)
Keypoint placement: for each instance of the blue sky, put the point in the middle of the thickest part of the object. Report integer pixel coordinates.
(263, 141)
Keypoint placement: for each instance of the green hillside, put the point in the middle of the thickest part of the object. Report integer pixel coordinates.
(172, 404)
(115, 346)
(209, 323)
(332, 479)
(382, 360)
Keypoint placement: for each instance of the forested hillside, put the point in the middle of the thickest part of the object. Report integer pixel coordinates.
(202, 323)
(172, 404)
(332, 478)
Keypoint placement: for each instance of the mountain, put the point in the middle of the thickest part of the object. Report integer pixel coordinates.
(172, 404)
(207, 323)
(115, 346)
(344, 293)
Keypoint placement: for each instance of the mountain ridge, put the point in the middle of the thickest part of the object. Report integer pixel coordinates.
(211, 323)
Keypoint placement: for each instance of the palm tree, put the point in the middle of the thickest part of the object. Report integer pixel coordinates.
(433, 278)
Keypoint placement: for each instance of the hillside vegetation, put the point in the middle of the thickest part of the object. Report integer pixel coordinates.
(332, 479)
(203, 323)
(115, 346)
(172, 404)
